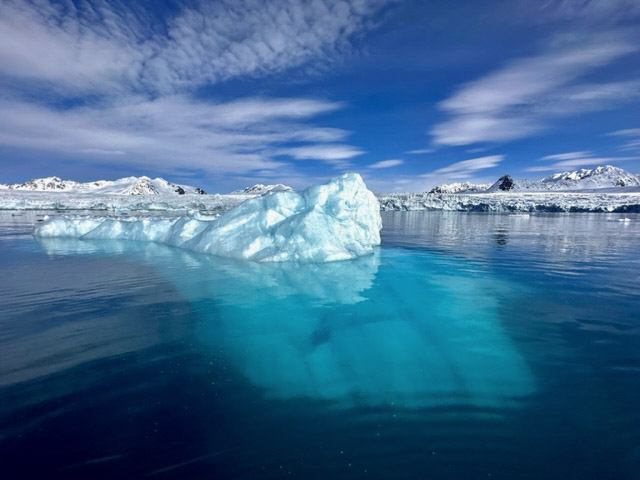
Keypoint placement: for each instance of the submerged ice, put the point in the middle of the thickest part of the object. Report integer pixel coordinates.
(338, 220)
(399, 327)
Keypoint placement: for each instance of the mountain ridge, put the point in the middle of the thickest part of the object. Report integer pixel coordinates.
(460, 187)
(142, 185)
(603, 176)
(600, 177)
(260, 189)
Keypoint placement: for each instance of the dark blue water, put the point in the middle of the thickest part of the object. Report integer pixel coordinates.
(469, 346)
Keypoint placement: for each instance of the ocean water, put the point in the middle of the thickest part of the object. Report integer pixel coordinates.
(468, 346)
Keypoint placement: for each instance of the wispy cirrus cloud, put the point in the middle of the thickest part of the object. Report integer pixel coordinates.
(95, 80)
(466, 168)
(607, 12)
(393, 162)
(474, 170)
(334, 154)
(631, 136)
(568, 155)
(95, 45)
(420, 151)
(521, 98)
(627, 132)
(172, 132)
(579, 162)
(570, 160)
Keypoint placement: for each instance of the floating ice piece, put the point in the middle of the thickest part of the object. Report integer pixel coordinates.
(338, 220)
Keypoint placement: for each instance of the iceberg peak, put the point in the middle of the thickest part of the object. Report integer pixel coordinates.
(337, 220)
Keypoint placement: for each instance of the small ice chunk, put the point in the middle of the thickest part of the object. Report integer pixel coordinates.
(337, 220)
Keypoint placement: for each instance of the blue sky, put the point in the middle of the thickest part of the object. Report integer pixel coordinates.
(225, 94)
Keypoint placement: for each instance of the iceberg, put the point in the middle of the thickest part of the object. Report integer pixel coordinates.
(338, 220)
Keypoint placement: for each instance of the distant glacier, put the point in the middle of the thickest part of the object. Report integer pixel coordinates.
(514, 202)
(601, 189)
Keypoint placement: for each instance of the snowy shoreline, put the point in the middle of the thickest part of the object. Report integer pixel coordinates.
(30, 200)
(601, 189)
(513, 202)
(608, 202)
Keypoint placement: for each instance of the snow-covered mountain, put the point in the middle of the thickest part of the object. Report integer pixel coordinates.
(508, 184)
(460, 187)
(603, 177)
(600, 189)
(260, 189)
(599, 177)
(123, 186)
(606, 176)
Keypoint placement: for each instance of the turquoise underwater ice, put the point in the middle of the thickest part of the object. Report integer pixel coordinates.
(403, 327)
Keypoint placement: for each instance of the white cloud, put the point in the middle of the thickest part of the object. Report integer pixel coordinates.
(387, 163)
(50, 44)
(391, 184)
(477, 149)
(173, 132)
(567, 155)
(631, 133)
(631, 145)
(466, 168)
(571, 160)
(319, 134)
(336, 154)
(94, 46)
(420, 151)
(133, 73)
(520, 98)
(627, 132)
(591, 11)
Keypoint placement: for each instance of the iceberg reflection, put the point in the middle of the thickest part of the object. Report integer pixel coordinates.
(399, 327)
(238, 282)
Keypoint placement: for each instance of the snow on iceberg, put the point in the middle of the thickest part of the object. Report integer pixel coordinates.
(338, 220)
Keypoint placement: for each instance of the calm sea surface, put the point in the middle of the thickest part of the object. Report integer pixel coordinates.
(469, 346)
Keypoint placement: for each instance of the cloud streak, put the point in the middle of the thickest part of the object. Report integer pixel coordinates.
(521, 98)
(568, 155)
(112, 81)
(394, 162)
(173, 132)
(632, 136)
(466, 168)
(579, 162)
(590, 11)
(333, 154)
(420, 151)
(575, 159)
(95, 46)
